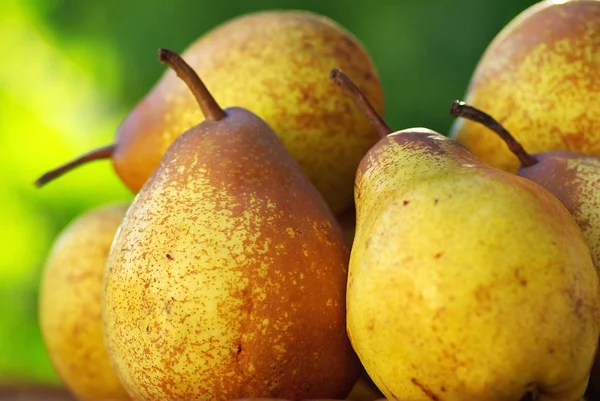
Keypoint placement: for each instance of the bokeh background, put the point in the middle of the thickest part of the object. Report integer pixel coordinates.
(71, 70)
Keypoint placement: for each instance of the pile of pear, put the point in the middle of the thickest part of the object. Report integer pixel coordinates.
(285, 243)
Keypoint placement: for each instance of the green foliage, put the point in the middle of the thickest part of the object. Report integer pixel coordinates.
(73, 70)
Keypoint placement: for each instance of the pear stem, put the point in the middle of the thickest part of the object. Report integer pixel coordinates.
(104, 152)
(461, 109)
(209, 106)
(354, 92)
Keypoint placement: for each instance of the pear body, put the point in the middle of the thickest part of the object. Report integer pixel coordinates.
(573, 178)
(274, 63)
(540, 77)
(466, 282)
(228, 276)
(70, 305)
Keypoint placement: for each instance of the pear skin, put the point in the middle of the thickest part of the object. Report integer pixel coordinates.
(273, 63)
(70, 305)
(228, 276)
(541, 78)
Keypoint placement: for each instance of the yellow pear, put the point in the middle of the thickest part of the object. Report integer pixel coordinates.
(70, 305)
(273, 63)
(540, 77)
(465, 282)
(227, 278)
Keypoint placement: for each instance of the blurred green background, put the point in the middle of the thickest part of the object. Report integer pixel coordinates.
(71, 70)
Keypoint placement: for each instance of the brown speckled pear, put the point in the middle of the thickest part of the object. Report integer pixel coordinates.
(466, 282)
(273, 63)
(572, 177)
(541, 78)
(70, 307)
(228, 276)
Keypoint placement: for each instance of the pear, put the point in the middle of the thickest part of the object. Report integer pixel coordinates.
(70, 305)
(540, 77)
(227, 278)
(273, 63)
(465, 282)
(572, 177)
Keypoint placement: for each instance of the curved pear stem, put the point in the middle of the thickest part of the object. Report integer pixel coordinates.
(209, 106)
(461, 109)
(354, 92)
(104, 152)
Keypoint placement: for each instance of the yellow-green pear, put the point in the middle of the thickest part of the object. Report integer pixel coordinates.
(227, 278)
(70, 305)
(540, 77)
(273, 63)
(465, 282)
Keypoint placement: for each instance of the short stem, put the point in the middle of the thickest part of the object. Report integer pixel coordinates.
(209, 106)
(361, 101)
(461, 109)
(104, 152)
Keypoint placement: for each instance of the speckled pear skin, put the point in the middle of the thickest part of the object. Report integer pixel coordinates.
(276, 64)
(466, 282)
(540, 77)
(573, 178)
(70, 305)
(228, 276)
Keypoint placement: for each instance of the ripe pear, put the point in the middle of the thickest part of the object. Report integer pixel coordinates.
(70, 305)
(540, 77)
(465, 282)
(273, 63)
(572, 177)
(227, 278)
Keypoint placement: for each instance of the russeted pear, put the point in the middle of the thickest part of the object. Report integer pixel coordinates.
(572, 177)
(227, 278)
(273, 63)
(465, 282)
(540, 77)
(70, 305)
